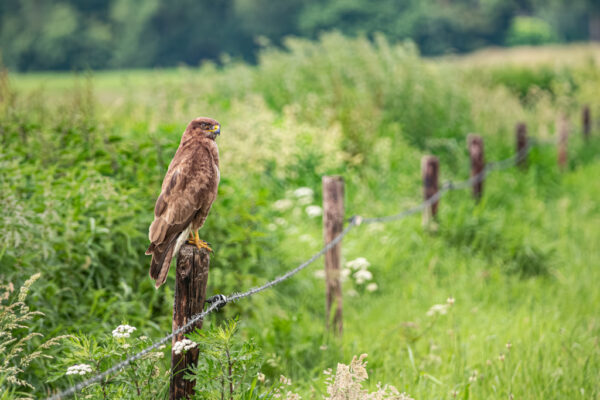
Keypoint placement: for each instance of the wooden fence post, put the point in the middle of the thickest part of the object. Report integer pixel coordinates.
(190, 293)
(587, 122)
(430, 168)
(563, 135)
(476, 152)
(521, 140)
(333, 224)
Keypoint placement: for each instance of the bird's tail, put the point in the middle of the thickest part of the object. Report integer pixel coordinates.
(161, 261)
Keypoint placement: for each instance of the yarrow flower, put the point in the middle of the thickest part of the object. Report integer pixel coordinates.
(283, 204)
(362, 276)
(79, 369)
(314, 211)
(183, 345)
(359, 263)
(438, 309)
(371, 287)
(123, 331)
(260, 377)
(303, 192)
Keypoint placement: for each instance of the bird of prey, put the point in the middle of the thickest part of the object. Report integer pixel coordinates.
(188, 191)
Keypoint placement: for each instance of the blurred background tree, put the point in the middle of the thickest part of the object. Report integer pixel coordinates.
(77, 34)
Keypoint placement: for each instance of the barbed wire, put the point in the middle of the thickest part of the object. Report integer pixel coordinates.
(220, 300)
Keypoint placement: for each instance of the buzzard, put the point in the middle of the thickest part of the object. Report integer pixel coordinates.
(188, 191)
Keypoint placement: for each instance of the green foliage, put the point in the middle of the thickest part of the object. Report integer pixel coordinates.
(147, 377)
(228, 365)
(70, 34)
(530, 31)
(83, 157)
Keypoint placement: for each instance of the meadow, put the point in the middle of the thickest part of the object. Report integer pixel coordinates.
(82, 160)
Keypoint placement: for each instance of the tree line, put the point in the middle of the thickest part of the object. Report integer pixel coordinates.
(77, 34)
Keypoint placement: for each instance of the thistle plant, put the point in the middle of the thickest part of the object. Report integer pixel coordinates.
(18, 347)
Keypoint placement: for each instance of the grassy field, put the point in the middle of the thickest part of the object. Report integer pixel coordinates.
(83, 158)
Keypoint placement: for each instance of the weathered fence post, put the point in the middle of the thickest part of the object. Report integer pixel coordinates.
(190, 293)
(587, 122)
(475, 146)
(563, 135)
(333, 224)
(430, 168)
(521, 140)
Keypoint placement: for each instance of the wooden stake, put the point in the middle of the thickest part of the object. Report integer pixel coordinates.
(587, 122)
(333, 224)
(521, 140)
(475, 146)
(563, 135)
(190, 293)
(430, 167)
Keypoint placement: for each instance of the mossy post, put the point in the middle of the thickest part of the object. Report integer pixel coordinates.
(586, 122)
(475, 146)
(191, 277)
(521, 141)
(430, 169)
(563, 137)
(333, 224)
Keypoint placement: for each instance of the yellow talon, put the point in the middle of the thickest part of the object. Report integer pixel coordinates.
(200, 244)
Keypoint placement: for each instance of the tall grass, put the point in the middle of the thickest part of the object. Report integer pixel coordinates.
(82, 161)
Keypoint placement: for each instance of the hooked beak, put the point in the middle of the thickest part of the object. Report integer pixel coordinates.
(216, 130)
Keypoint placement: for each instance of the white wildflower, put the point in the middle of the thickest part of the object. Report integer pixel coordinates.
(123, 331)
(285, 381)
(345, 273)
(125, 346)
(371, 287)
(79, 369)
(272, 227)
(450, 301)
(283, 205)
(362, 275)
(280, 221)
(143, 338)
(303, 192)
(183, 345)
(320, 273)
(352, 293)
(501, 357)
(508, 346)
(323, 347)
(260, 377)
(438, 309)
(359, 263)
(314, 211)
(473, 377)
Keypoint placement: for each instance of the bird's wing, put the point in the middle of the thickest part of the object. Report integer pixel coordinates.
(185, 193)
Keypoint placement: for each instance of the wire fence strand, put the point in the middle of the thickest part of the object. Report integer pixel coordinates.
(353, 222)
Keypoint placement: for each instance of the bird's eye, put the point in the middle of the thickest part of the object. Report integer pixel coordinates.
(203, 125)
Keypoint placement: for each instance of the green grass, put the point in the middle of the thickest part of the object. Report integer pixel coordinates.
(83, 159)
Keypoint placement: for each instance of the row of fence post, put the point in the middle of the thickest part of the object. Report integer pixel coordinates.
(193, 264)
(333, 201)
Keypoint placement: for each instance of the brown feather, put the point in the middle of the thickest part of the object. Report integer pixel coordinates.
(188, 191)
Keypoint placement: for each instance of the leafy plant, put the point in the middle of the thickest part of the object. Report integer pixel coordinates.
(228, 365)
(144, 378)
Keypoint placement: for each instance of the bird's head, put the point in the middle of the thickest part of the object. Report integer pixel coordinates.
(204, 127)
